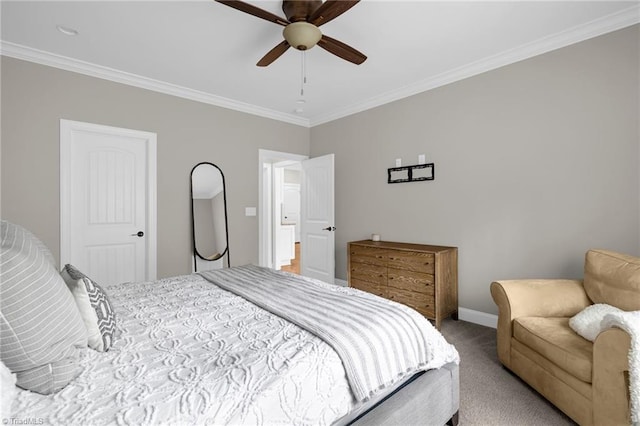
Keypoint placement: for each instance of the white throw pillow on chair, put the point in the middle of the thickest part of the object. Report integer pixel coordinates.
(587, 322)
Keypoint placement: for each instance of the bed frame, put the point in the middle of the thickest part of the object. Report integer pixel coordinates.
(431, 397)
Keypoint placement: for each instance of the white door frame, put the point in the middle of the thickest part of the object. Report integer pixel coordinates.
(265, 240)
(66, 131)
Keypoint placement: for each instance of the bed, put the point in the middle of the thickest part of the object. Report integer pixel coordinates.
(208, 349)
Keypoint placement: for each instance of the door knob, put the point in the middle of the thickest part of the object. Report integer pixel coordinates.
(329, 228)
(138, 234)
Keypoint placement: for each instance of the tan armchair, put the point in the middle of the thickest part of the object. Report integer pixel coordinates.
(587, 381)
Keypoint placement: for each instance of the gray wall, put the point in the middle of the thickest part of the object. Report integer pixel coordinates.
(35, 98)
(535, 163)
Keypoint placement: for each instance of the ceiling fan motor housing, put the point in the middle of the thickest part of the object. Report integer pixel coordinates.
(302, 35)
(300, 10)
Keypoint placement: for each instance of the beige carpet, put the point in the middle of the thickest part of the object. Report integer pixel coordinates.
(489, 393)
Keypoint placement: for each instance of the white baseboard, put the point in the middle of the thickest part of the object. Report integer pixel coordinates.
(477, 317)
(469, 315)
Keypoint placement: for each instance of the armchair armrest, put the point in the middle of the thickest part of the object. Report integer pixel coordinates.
(611, 378)
(525, 298)
(540, 298)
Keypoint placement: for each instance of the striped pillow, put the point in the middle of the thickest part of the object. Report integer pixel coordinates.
(94, 306)
(42, 248)
(41, 331)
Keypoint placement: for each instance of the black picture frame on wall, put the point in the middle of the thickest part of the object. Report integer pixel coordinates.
(416, 173)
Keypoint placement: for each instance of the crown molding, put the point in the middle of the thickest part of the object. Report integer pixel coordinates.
(613, 22)
(606, 24)
(18, 51)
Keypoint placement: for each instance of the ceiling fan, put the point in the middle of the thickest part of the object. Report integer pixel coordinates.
(301, 26)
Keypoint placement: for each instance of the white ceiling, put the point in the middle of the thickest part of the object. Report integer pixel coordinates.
(206, 51)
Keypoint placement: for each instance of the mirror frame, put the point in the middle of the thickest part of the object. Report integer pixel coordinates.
(193, 222)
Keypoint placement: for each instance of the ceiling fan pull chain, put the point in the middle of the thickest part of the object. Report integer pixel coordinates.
(303, 72)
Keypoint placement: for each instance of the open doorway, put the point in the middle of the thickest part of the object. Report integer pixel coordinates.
(317, 216)
(279, 210)
(287, 196)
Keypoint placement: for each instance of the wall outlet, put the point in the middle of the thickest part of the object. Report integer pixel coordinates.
(249, 211)
(421, 159)
(398, 162)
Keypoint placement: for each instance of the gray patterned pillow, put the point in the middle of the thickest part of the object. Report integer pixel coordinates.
(41, 331)
(95, 308)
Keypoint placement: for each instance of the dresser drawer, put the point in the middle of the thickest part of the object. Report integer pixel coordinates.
(406, 273)
(371, 273)
(369, 255)
(377, 289)
(412, 281)
(423, 303)
(412, 261)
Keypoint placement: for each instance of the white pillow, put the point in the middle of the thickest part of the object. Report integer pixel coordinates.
(587, 322)
(8, 391)
(95, 308)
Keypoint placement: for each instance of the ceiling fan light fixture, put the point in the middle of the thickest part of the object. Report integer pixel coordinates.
(302, 35)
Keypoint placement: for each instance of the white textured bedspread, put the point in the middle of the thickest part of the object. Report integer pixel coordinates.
(378, 341)
(191, 353)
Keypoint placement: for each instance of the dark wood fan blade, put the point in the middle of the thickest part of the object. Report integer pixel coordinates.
(273, 54)
(342, 50)
(330, 10)
(255, 11)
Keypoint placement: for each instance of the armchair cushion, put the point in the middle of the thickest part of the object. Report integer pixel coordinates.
(552, 338)
(612, 278)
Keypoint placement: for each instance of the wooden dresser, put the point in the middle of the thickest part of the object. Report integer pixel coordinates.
(422, 277)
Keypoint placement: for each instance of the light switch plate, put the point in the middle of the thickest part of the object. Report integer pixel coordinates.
(249, 211)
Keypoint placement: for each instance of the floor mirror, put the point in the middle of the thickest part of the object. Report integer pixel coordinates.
(210, 231)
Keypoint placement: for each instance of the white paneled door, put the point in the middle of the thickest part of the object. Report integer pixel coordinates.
(317, 240)
(108, 201)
